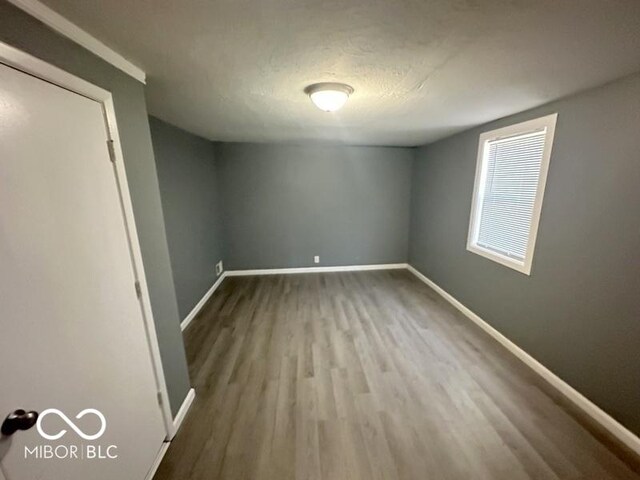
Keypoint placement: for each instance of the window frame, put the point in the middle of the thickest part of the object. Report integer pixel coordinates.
(547, 122)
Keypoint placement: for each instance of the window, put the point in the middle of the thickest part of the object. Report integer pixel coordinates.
(510, 178)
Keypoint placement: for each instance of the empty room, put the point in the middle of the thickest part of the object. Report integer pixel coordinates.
(320, 240)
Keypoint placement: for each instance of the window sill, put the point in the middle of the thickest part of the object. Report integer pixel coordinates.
(522, 267)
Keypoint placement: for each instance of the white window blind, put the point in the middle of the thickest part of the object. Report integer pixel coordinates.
(513, 172)
(510, 177)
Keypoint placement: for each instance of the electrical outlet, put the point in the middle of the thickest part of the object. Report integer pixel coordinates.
(316, 259)
(219, 268)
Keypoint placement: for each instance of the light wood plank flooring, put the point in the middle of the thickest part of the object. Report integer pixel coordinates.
(367, 375)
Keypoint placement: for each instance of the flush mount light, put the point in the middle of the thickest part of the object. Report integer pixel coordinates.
(329, 97)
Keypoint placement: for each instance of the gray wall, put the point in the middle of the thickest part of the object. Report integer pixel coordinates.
(24, 32)
(579, 311)
(285, 204)
(188, 178)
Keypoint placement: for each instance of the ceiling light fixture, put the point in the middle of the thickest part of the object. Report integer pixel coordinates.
(329, 97)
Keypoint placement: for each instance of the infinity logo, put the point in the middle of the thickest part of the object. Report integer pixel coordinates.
(71, 424)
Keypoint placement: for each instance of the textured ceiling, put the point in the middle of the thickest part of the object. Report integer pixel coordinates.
(235, 70)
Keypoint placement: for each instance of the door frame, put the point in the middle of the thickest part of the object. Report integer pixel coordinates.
(31, 65)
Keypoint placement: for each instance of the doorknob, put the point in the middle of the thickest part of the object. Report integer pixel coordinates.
(18, 420)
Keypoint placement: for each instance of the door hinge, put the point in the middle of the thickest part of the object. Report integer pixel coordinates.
(138, 289)
(112, 151)
(159, 395)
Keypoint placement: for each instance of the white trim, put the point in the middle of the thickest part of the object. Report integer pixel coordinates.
(192, 314)
(587, 406)
(547, 123)
(28, 63)
(136, 253)
(347, 268)
(63, 26)
(34, 66)
(156, 463)
(184, 409)
(177, 422)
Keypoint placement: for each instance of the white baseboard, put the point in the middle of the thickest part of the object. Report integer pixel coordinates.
(177, 421)
(184, 409)
(192, 314)
(156, 463)
(616, 429)
(346, 268)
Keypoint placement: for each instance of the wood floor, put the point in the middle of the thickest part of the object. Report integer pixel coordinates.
(366, 375)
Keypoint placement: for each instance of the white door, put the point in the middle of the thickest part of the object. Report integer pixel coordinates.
(72, 334)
